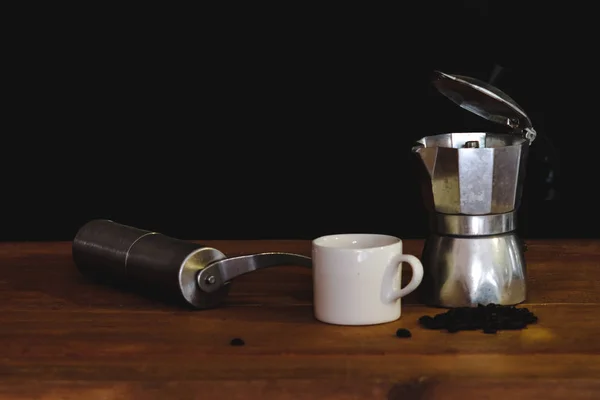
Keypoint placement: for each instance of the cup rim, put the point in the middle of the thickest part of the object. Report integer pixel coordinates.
(320, 241)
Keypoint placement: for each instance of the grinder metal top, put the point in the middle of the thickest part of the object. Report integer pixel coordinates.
(486, 101)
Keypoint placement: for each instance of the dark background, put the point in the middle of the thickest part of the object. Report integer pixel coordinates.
(242, 122)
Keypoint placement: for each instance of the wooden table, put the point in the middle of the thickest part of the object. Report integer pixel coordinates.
(65, 338)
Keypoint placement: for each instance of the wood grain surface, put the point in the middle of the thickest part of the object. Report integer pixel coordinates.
(62, 337)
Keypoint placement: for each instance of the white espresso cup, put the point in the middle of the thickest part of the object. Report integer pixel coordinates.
(357, 278)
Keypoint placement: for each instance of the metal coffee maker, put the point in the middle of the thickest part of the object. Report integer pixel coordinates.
(472, 184)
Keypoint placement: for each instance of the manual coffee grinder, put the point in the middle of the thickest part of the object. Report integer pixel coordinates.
(472, 185)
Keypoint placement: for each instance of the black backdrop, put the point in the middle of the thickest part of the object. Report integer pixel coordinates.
(272, 123)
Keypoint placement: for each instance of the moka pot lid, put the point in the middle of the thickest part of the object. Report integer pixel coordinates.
(486, 101)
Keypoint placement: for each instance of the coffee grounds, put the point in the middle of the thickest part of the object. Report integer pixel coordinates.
(490, 319)
(403, 333)
(237, 342)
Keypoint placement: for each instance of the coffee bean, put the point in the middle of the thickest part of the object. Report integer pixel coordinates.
(403, 333)
(426, 321)
(490, 318)
(530, 319)
(514, 325)
(237, 342)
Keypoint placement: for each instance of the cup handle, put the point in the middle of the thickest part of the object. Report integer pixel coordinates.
(417, 276)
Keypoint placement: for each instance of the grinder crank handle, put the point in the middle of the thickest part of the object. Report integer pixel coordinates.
(218, 273)
(162, 266)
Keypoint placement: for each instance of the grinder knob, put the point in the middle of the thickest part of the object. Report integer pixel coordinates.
(163, 266)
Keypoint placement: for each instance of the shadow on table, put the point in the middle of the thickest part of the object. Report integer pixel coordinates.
(59, 285)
